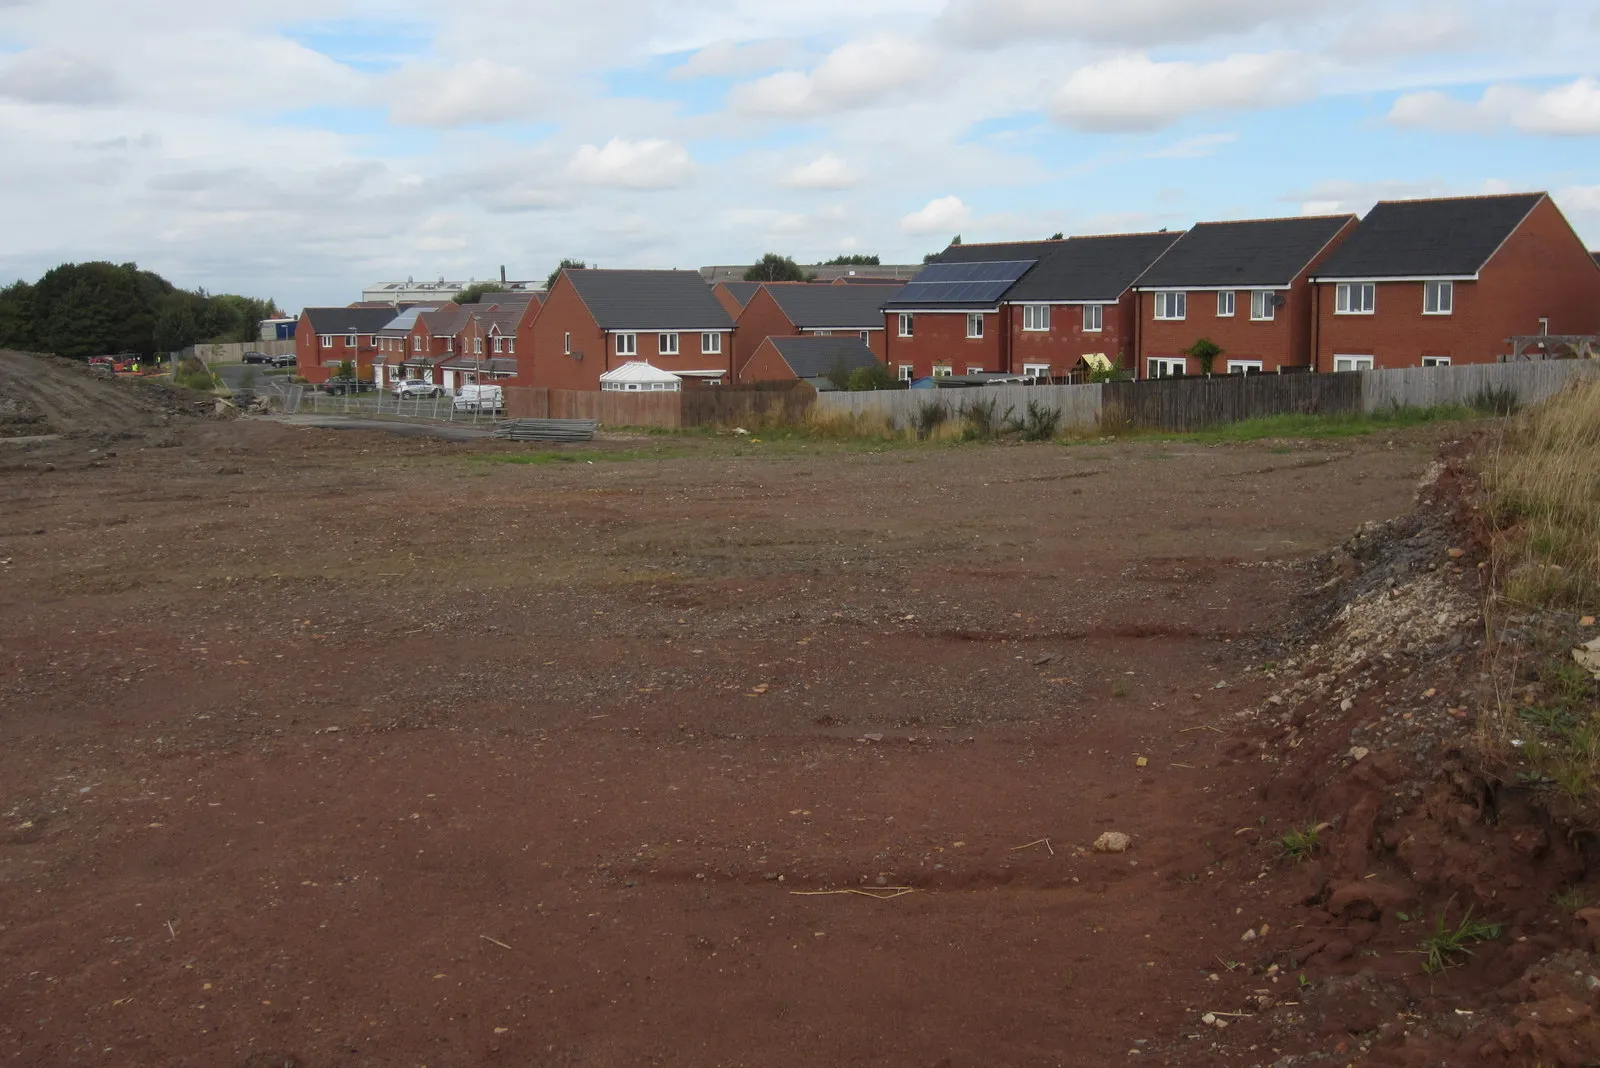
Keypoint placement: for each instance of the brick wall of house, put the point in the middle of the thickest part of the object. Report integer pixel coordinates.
(307, 352)
(1066, 342)
(765, 365)
(1282, 341)
(941, 338)
(542, 344)
(729, 305)
(761, 318)
(1542, 269)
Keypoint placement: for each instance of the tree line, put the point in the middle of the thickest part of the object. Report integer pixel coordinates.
(91, 309)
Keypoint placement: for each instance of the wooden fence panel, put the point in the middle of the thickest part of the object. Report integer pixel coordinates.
(747, 407)
(1079, 406)
(1530, 381)
(1182, 404)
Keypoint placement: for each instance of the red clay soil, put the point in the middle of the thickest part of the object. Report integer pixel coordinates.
(328, 748)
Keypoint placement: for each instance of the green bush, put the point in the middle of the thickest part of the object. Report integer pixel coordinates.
(931, 415)
(876, 376)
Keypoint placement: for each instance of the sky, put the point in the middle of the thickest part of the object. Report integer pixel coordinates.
(305, 149)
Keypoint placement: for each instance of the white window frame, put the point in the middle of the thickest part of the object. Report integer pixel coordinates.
(350, 341)
(907, 324)
(711, 344)
(974, 325)
(627, 345)
(942, 370)
(511, 346)
(1036, 318)
(667, 344)
(822, 333)
(1094, 318)
(498, 346)
(1352, 363)
(1365, 296)
(325, 341)
(1166, 366)
(566, 343)
(477, 346)
(1227, 303)
(866, 336)
(1244, 367)
(905, 372)
(1439, 298)
(416, 343)
(1436, 361)
(1263, 306)
(1037, 370)
(974, 369)
(1172, 305)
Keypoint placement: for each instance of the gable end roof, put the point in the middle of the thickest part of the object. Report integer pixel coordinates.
(349, 320)
(813, 357)
(1249, 253)
(1447, 237)
(818, 307)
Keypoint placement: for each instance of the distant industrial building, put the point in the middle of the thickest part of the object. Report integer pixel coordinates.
(414, 292)
(888, 272)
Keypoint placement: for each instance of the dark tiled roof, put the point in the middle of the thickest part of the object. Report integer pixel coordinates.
(1428, 238)
(649, 300)
(445, 323)
(504, 310)
(741, 292)
(818, 307)
(349, 320)
(1254, 252)
(1099, 267)
(814, 357)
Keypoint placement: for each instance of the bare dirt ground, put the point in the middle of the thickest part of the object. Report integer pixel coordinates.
(335, 748)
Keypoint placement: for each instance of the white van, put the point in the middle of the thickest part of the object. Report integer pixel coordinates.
(481, 399)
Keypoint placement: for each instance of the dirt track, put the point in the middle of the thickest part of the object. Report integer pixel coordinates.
(328, 748)
(49, 396)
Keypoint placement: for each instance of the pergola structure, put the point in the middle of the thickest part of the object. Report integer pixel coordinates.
(1553, 347)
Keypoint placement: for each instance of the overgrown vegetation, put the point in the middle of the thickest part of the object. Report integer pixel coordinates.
(1448, 946)
(1205, 352)
(93, 309)
(931, 415)
(1302, 844)
(1338, 425)
(192, 374)
(980, 419)
(1039, 422)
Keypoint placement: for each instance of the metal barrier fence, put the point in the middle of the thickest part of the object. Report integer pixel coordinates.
(304, 400)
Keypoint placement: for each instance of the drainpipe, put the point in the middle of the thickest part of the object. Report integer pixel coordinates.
(1316, 326)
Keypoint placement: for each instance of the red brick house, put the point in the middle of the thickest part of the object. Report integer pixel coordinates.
(1436, 282)
(1244, 285)
(326, 337)
(394, 343)
(594, 320)
(807, 358)
(733, 296)
(788, 310)
(947, 320)
(1076, 301)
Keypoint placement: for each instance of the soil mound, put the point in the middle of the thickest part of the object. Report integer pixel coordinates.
(48, 395)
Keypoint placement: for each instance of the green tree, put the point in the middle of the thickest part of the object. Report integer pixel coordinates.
(873, 376)
(839, 375)
(775, 268)
(474, 293)
(853, 260)
(1058, 236)
(1206, 351)
(16, 316)
(566, 265)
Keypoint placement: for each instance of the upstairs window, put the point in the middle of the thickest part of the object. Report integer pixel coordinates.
(710, 344)
(1094, 317)
(350, 341)
(1225, 304)
(667, 344)
(477, 346)
(1438, 298)
(325, 340)
(906, 319)
(1354, 298)
(627, 345)
(1263, 305)
(1036, 317)
(975, 325)
(1172, 304)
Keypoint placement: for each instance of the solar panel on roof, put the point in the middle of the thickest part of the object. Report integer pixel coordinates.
(983, 271)
(947, 283)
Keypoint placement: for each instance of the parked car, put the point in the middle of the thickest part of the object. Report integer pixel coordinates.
(480, 399)
(341, 384)
(283, 359)
(255, 357)
(416, 387)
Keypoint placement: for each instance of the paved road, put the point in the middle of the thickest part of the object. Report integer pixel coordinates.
(233, 376)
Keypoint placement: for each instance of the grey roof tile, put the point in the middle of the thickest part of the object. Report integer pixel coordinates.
(818, 307)
(1246, 253)
(649, 300)
(349, 320)
(810, 356)
(1428, 238)
(1097, 267)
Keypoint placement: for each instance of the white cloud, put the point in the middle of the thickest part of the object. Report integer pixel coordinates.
(1570, 110)
(54, 77)
(827, 171)
(477, 91)
(1133, 92)
(731, 58)
(945, 213)
(1140, 23)
(856, 75)
(1408, 32)
(1194, 147)
(651, 163)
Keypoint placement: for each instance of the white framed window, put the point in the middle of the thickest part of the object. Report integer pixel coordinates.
(866, 335)
(477, 346)
(1172, 304)
(710, 344)
(1438, 298)
(566, 343)
(1036, 316)
(974, 369)
(667, 344)
(1436, 361)
(1263, 305)
(1352, 363)
(975, 324)
(627, 345)
(1225, 304)
(1244, 367)
(511, 345)
(349, 341)
(497, 345)
(1094, 318)
(1040, 371)
(1354, 298)
(822, 333)
(1167, 366)
(904, 372)
(325, 340)
(416, 343)
(941, 370)
(907, 320)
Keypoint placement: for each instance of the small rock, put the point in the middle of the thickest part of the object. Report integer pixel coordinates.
(873, 737)
(1456, 554)
(1209, 1019)
(1346, 705)
(1112, 842)
(1248, 936)
(1358, 753)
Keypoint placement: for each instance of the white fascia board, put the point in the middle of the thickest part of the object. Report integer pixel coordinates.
(1398, 278)
(669, 330)
(1213, 289)
(839, 329)
(938, 311)
(1061, 303)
